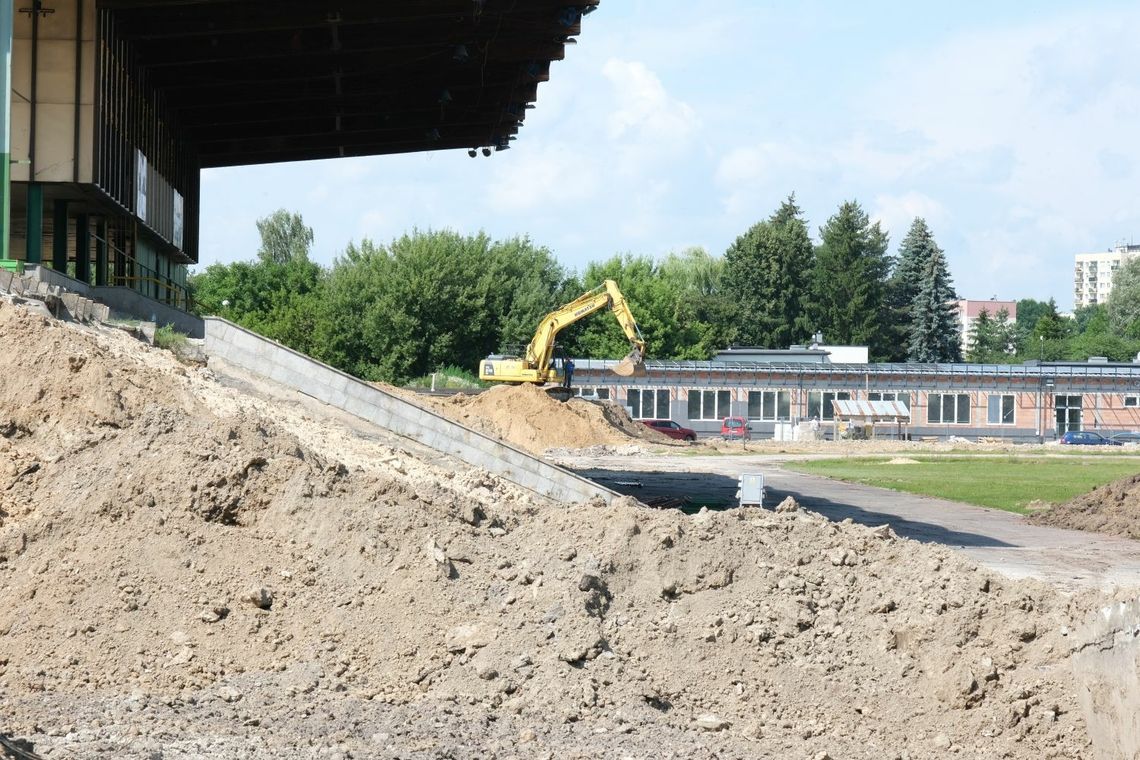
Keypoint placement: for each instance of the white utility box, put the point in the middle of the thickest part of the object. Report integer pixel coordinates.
(750, 489)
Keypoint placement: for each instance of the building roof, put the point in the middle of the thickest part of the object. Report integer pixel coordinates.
(249, 81)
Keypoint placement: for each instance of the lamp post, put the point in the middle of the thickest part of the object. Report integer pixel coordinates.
(1040, 392)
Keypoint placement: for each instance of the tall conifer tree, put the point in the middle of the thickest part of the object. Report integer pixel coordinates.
(934, 332)
(905, 283)
(767, 275)
(849, 280)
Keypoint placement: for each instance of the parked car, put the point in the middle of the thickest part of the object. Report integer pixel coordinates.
(672, 429)
(1086, 438)
(735, 428)
(1126, 437)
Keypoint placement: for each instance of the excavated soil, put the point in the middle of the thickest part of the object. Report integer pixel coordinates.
(190, 571)
(1113, 508)
(527, 416)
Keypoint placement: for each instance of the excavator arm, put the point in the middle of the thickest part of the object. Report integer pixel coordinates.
(535, 366)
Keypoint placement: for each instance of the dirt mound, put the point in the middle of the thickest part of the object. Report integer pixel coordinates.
(182, 572)
(526, 416)
(1113, 508)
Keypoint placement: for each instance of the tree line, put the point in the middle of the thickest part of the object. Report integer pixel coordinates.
(436, 298)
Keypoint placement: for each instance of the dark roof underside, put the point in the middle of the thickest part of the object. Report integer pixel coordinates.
(257, 81)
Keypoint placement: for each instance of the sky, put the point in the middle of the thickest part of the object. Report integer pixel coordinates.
(1012, 128)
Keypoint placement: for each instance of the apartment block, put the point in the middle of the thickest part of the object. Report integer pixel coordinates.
(1092, 274)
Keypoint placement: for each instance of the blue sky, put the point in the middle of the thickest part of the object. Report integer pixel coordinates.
(1012, 129)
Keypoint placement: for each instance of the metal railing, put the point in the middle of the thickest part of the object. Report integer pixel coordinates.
(163, 288)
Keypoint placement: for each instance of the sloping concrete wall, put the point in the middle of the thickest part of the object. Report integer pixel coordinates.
(127, 302)
(1106, 664)
(252, 352)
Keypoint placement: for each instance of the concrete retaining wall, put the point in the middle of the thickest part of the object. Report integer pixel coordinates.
(1106, 664)
(52, 277)
(131, 303)
(252, 352)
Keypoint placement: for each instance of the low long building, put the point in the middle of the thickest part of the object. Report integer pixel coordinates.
(1022, 402)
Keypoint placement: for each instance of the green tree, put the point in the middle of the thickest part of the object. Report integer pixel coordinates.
(703, 312)
(1116, 348)
(849, 281)
(1028, 312)
(1092, 319)
(767, 275)
(652, 299)
(431, 299)
(276, 297)
(934, 335)
(284, 238)
(1124, 300)
(991, 339)
(906, 282)
(1051, 325)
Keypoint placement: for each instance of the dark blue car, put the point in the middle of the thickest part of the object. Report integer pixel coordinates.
(1086, 438)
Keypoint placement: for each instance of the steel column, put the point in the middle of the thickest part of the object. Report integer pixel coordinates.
(7, 10)
(83, 248)
(35, 249)
(59, 236)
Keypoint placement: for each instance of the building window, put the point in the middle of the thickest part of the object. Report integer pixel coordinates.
(769, 405)
(648, 404)
(1068, 411)
(948, 408)
(709, 405)
(598, 393)
(819, 403)
(1132, 400)
(1000, 409)
(902, 397)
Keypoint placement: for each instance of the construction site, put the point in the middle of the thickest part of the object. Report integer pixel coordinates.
(226, 548)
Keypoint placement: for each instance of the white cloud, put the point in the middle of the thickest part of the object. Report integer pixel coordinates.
(896, 212)
(644, 108)
(536, 176)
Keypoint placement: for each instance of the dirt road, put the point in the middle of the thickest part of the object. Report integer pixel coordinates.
(1000, 540)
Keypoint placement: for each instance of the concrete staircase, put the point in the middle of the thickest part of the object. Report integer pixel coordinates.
(60, 302)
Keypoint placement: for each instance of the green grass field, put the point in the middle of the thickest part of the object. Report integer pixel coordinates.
(1007, 483)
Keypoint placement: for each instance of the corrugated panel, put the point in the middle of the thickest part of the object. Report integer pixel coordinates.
(871, 409)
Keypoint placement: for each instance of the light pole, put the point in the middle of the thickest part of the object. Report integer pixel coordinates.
(1040, 392)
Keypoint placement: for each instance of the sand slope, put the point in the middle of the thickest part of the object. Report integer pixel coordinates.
(188, 571)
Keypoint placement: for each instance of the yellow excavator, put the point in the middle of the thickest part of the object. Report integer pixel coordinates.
(537, 365)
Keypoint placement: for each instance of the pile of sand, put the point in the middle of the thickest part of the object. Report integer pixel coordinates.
(1113, 508)
(181, 572)
(528, 417)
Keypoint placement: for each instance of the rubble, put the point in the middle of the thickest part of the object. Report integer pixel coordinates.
(399, 625)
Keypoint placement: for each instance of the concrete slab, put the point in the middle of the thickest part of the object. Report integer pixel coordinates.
(259, 355)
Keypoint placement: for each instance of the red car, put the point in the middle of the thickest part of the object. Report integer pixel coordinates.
(672, 429)
(735, 428)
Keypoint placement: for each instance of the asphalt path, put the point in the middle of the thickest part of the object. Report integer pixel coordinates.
(1003, 541)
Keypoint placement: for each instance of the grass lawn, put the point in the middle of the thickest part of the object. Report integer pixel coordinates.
(1007, 483)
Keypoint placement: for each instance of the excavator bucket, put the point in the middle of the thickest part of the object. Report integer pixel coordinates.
(632, 365)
